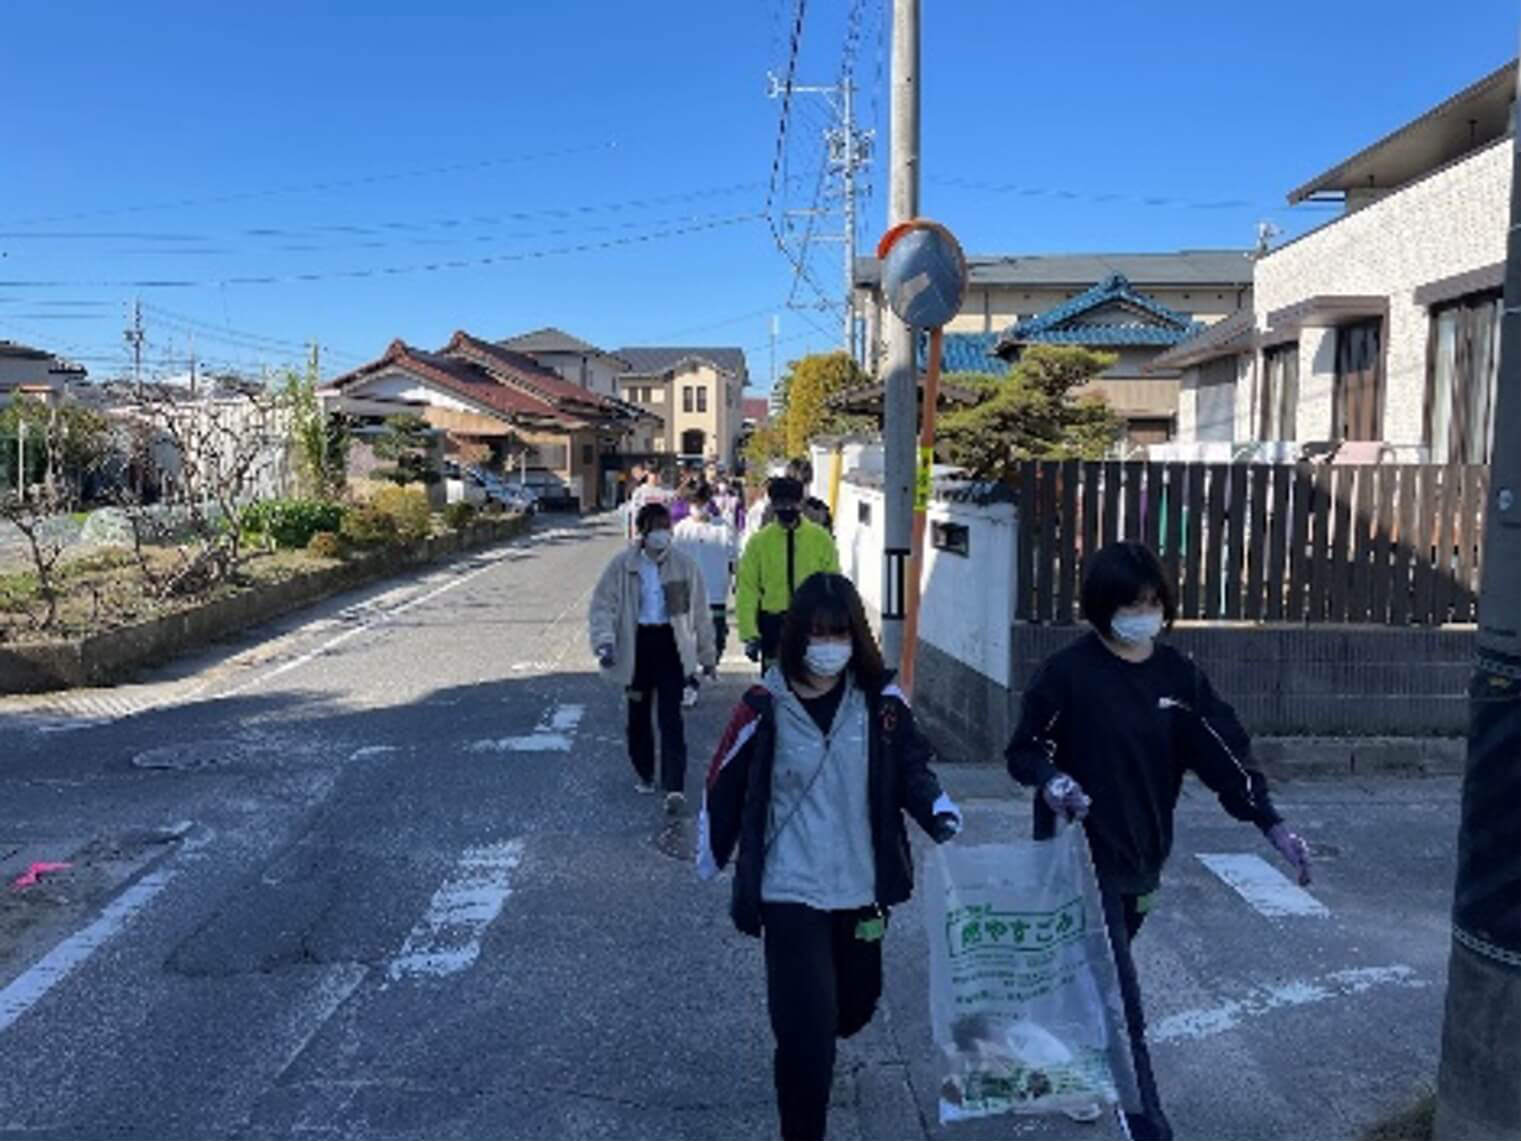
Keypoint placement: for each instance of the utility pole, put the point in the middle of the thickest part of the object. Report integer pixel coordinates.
(1479, 1082)
(848, 162)
(134, 337)
(900, 405)
(849, 150)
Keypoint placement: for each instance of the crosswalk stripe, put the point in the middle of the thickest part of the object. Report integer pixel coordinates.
(1207, 1021)
(1263, 886)
(447, 939)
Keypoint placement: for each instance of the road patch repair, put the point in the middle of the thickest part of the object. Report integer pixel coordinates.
(63, 892)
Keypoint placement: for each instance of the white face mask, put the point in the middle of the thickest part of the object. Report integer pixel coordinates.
(1136, 629)
(657, 541)
(827, 659)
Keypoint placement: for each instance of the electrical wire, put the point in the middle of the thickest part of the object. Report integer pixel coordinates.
(391, 271)
(318, 187)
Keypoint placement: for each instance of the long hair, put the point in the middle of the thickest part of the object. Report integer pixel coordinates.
(829, 604)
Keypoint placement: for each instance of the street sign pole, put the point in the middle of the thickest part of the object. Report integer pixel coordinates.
(900, 392)
(924, 281)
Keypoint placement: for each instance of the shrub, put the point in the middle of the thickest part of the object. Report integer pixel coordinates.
(325, 545)
(407, 508)
(367, 526)
(292, 522)
(459, 515)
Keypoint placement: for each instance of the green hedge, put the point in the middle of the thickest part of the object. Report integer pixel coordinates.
(292, 522)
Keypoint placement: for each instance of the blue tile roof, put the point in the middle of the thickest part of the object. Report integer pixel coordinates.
(964, 352)
(1064, 325)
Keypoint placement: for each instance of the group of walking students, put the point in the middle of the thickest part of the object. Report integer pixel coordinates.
(821, 761)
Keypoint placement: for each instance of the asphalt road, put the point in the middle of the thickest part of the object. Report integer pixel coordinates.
(380, 871)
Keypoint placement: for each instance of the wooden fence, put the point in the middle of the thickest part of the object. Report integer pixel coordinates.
(1382, 544)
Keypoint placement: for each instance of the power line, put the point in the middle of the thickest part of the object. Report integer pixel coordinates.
(317, 187)
(1068, 194)
(395, 226)
(391, 271)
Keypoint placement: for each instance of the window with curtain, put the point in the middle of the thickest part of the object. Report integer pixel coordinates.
(1463, 369)
(686, 398)
(1277, 418)
(702, 398)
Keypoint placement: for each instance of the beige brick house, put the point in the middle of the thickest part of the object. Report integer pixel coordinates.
(697, 393)
(1375, 335)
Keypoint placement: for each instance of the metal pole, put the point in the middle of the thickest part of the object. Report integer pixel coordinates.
(848, 176)
(900, 390)
(924, 483)
(1479, 1082)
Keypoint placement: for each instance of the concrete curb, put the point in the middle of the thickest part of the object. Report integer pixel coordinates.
(113, 656)
(1360, 756)
(1282, 758)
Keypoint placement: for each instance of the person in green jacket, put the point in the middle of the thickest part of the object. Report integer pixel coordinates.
(776, 561)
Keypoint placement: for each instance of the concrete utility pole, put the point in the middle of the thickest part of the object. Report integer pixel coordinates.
(134, 337)
(901, 391)
(1479, 1083)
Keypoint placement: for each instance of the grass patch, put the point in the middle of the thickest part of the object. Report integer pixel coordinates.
(1414, 1122)
(104, 591)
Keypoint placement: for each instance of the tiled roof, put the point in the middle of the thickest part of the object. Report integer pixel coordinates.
(1063, 325)
(965, 352)
(1183, 268)
(453, 374)
(22, 352)
(1222, 339)
(652, 361)
(514, 368)
(550, 340)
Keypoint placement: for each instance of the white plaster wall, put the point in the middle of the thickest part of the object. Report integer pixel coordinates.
(1449, 223)
(402, 386)
(967, 605)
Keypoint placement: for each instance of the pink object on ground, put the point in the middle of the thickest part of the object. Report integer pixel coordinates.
(33, 875)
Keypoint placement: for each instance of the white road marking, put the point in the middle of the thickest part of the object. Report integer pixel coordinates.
(341, 981)
(447, 939)
(33, 984)
(1208, 1021)
(554, 734)
(1263, 886)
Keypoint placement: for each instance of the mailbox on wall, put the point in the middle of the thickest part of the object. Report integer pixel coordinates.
(953, 537)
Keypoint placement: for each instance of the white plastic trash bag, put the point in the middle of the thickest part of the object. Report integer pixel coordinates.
(1024, 998)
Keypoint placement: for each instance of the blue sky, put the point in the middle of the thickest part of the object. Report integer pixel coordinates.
(612, 159)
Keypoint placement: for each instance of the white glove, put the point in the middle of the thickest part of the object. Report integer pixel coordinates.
(1066, 797)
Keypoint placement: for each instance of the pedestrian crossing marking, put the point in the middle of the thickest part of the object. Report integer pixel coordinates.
(447, 939)
(1263, 886)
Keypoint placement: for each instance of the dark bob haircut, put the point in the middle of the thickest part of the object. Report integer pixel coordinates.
(650, 516)
(829, 604)
(1121, 575)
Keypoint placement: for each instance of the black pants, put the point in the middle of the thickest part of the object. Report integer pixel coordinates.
(770, 626)
(1124, 917)
(822, 983)
(658, 680)
(720, 629)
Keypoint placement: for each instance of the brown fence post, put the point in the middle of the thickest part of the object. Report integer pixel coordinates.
(1299, 543)
(1070, 549)
(1257, 542)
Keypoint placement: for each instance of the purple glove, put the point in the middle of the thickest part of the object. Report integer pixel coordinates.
(1292, 849)
(1066, 797)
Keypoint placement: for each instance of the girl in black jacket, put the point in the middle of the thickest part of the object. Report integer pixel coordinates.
(1108, 728)
(811, 780)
